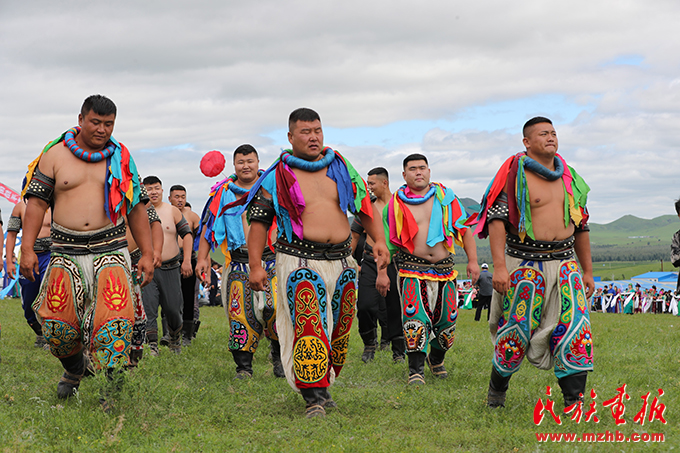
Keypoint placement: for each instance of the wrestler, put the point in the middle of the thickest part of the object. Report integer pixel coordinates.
(29, 289)
(373, 306)
(250, 313)
(90, 181)
(422, 221)
(178, 198)
(308, 190)
(534, 212)
(139, 328)
(166, 288)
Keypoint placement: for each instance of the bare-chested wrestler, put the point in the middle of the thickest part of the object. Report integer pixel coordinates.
(91, 182)
(309, 190)
(166, 287)
(372, 305)
(535, 215)
(178, 198)
(139, 329)
(424, 220)
(29, 289)
(250, 313)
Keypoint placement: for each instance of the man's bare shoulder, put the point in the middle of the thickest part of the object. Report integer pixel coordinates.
(18, 210)
(49, 160)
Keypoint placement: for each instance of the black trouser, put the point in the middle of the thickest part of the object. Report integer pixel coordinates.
(189, 293)
(373, 308)
(482, 303)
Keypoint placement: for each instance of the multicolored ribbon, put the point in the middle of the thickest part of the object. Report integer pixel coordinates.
(447, 220)
(511, 177)
(121, 187)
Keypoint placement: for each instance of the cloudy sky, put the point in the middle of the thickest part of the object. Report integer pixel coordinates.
(453, 80)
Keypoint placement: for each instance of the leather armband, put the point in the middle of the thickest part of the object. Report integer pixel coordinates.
(41, 186)
(183, 227)
(261, 209)
(153, 215)
(582, 227)
(14, 224)
(499, 209)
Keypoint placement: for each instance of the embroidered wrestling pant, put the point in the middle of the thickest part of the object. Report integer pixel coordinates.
(314, 335)
(86, 300)
(543, 316)
(139, 328)
(429, 302)
(250, 313)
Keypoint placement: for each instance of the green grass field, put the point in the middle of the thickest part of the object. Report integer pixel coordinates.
(191, 403)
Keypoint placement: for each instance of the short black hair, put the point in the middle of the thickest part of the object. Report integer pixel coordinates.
(677, 206)
(187, 204)
(178, 187)
(101, 105)
(152, 180)
(379, 171)
(245, 150)
(415, 156)
(302, 114)
(532, 121)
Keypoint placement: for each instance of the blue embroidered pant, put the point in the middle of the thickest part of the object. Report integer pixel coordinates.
(543, 316)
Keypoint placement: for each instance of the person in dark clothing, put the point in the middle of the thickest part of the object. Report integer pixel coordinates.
(485, 284)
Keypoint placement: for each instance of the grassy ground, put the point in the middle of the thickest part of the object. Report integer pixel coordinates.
(192, 403)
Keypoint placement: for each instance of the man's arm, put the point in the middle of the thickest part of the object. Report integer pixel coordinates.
(470, 248)
(257, 240)
(203, 259)
(157, 242)
(582, 248)
(497, 235)
(374, 228)
(31, 225)
(138, 222)
(11, 240)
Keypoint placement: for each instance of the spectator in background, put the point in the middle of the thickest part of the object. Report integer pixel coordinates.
(485, 284)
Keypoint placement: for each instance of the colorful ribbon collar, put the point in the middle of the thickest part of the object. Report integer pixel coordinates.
(306, 165)
(407, 196)
(95, 156)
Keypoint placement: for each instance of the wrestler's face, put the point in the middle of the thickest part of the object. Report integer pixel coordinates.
(541, 141)
(245, 167)
(95, 130)
(377, 184)
(417, 175)
(178, 198)
(155, 192)
(306, 138)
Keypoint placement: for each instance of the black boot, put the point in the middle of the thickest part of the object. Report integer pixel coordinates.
(187, 332)
(165, 339)
(498, 385)
(314, 399)
(573, 387)
(175, 343)
(74, 367)
(275, 348)
(135, 357)
(398, 350)
(39, 339)
(244, 364)
(152, 339)
(370, 339)
(197, 324)
(416, 368)
(436, 362)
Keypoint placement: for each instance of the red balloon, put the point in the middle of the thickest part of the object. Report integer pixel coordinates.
(212, 163)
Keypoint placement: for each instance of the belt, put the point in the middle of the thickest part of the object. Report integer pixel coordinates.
(42, 245)
(534, 250)
(172, 263)
(108, 240)
(404, 260)
(303, 248)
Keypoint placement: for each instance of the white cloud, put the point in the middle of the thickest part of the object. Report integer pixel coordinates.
(213, 75)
